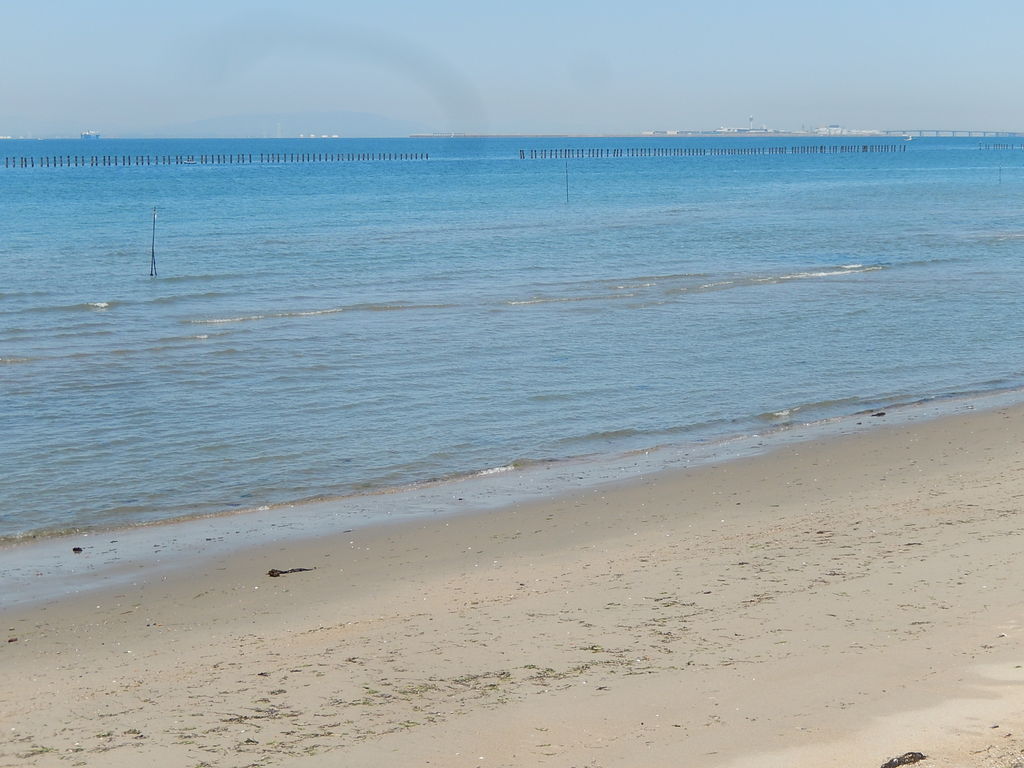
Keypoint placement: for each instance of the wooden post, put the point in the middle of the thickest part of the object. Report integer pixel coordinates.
(152, 248)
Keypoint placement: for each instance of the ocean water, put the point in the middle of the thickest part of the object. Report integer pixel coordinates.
(322, 329)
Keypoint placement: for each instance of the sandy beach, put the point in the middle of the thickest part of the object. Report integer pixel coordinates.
(838, 602)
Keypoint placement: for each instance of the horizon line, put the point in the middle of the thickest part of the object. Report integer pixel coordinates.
(648, 134)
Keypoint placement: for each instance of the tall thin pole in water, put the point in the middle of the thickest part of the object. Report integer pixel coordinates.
(152, 248)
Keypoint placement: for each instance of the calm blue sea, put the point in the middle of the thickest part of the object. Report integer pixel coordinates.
(345, 327)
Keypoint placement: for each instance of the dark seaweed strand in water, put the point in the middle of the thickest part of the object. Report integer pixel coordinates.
(275, 572)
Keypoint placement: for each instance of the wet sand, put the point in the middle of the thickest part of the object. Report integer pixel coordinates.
(837, 602)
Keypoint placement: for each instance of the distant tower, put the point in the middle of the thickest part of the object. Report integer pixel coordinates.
(751, 122)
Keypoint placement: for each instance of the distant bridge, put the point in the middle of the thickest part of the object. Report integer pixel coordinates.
(943, 132)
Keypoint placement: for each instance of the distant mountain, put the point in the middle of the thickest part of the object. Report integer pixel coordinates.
(348, 124)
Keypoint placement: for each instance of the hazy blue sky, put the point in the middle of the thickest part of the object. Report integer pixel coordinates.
(454, 65)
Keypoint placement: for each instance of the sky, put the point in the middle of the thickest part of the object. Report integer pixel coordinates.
(146, 68)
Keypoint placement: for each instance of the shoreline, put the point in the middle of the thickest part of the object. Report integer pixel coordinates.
(845, 599)
(43, 566)
(700, 444)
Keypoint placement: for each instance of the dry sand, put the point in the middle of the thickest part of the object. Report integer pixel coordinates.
(830, 603)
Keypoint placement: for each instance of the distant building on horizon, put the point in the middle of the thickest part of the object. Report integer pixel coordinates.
(90, 134)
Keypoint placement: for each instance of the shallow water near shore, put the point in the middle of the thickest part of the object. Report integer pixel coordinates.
(350, 328)
(40, 569)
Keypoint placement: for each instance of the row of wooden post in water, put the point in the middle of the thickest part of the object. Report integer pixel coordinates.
(813, 149)
(73, 161)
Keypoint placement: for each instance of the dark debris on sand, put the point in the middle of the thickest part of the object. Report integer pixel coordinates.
(905, 759)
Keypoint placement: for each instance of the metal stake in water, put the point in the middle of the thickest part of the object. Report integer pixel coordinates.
(152, 248)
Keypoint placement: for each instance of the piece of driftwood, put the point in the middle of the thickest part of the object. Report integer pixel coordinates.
(275, 572)
(905, 759)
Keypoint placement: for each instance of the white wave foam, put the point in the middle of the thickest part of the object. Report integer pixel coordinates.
(271, 316)
(719, 284)
(220, 320)
(311, 313)
(850, 270)
(565, 299)
(98, 304)
(494, 471)
(530, 301)
(318, 312)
